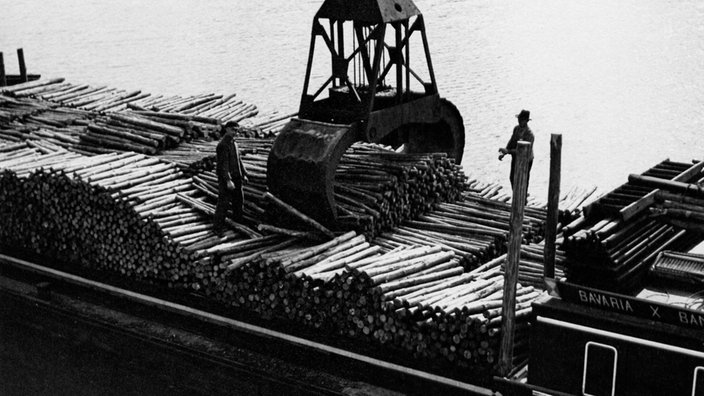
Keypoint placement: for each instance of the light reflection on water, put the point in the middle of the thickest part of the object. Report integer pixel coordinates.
(622, 81)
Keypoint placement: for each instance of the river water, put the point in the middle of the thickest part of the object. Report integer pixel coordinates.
(622, 81)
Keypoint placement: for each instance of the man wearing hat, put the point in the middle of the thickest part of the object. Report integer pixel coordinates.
(520, 132)
(231, 173)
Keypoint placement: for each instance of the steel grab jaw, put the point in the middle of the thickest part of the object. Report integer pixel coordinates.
(302, 162)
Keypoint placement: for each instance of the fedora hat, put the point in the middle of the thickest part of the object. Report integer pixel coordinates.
(523, 115)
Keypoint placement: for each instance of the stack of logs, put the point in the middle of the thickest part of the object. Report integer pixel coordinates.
(613, 254)
(64, 218)
(414, 301)
(614, 251)
(97, 120)
(143, 219)
(680, 210)
(375, 189)
(569, 205)
(224, 108)
(268, 124)
(677, 202)
(428, 286)
(143, 133)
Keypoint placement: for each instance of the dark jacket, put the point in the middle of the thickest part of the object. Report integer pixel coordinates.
(524, 134)
(228, 162)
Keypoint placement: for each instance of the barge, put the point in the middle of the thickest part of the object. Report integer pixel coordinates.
(111, 265)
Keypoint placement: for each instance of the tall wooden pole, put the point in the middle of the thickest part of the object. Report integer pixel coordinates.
(553, 201)
(520, 184)
(23, 68)
(3, 81)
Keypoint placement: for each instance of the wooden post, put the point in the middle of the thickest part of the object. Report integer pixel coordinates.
(553, 201)
(520, 184)
(3, 80)
(23, 68)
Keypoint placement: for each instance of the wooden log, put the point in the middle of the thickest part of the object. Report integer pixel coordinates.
(688, 188)
(29, 85)
(142, 122)
(300, 216)
(511, 276)
(553, 198)
(210, 211)
(126, 135)
(74, 90)
(181, 117)
(284, 231)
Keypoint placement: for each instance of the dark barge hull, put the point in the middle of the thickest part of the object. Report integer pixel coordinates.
(580, 349)
(63, 334)
(13, 79)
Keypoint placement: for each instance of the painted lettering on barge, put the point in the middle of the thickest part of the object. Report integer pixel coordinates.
(603, 300)
(691, 319)
(631, 306)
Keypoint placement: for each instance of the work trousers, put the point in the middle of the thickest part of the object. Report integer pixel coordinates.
(227, 199)
(513, 172)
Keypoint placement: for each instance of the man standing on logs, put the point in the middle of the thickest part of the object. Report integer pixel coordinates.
(231, 174)
(520, 132)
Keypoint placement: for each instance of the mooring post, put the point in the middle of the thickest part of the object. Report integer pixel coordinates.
(23, 68)
(520, 184)
(3, 79)
(553, 201)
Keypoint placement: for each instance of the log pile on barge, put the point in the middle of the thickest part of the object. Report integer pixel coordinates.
(415, 266)
(100, 212)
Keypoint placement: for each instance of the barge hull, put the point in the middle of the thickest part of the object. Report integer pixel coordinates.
(63, 334)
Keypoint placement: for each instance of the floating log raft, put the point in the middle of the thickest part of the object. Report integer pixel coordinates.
(86, 132)
(88, 119)
(204, 108)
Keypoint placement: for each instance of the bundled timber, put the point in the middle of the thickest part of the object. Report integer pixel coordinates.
(93, 132)
(108, 119)
(414, 268)
(376, 189)
(623, 231)
(416, 301)
(679, 209)
(268, 124)
(76, 222)
(123, 213)
(475, 229)
(199, 155)
(101, 215)
(569, 205)
(199, 109)
(613, 253)
(631, 199)
(142, 218)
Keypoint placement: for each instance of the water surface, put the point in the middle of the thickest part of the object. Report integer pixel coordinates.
(623, 82)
